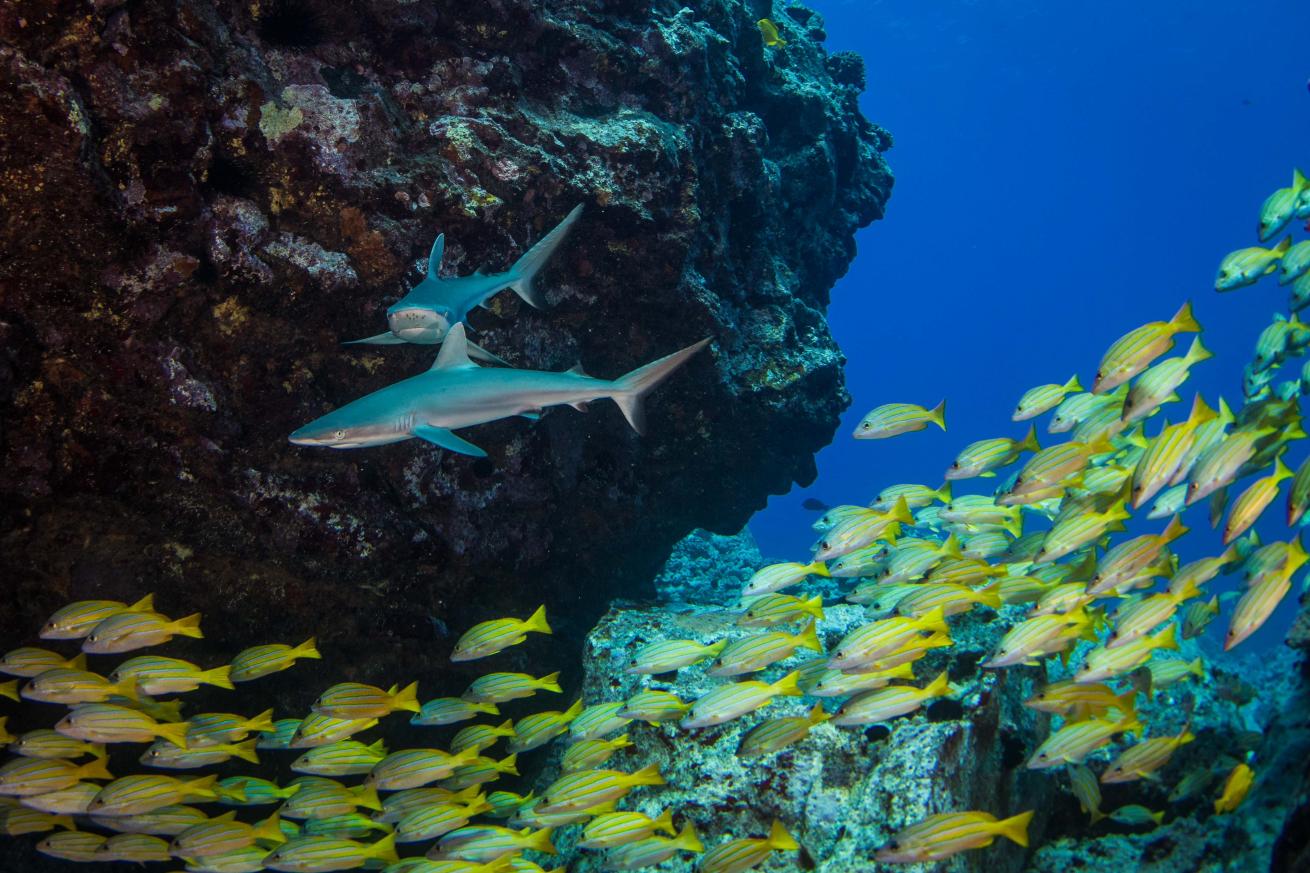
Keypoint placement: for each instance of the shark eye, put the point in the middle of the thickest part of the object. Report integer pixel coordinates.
(341, 434)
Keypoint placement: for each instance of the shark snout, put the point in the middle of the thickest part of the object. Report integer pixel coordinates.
(418, 324)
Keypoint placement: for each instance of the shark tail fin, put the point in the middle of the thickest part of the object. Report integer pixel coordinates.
(630, 390)
(525, 269)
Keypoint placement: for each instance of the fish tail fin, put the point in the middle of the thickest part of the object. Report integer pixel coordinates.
(537, 621)
(467, 795)
(1197, 667)
(901, 511)
(630, 390)
(307, 649)
(96, 768)
(647, 776)
(937, 415)
(1173, 530)
(1015, 829)
(406, 699)
(620, 742)
(378, 748)
(1029, 443)
(1281, 471)
(508, 765)
(1184, 321)
(687, 839)
(1127, 702)
(367, 797)
(174, 733)
(527, 267)
(1197, 352)
(262, 722)
(539, 841)
(78, 662)
(97, 750)
(818, 715)
(779, 838)
(1281, 248)
(935, 620)
(469, 755)
(789, 685)
(270, 830)
(573, 711)
(714, 649)
(818, 568)
(813, 606)
(64, 821)
(189, 626)
(204, 787)
(219, 677)
(990, 595)
(1014, 524)
(939, 687)
(1073, 384)
(246, 751)
(384, 849)
(943, 494)
(550, 682)
(664, 822)
(486, 708)
(809, 638)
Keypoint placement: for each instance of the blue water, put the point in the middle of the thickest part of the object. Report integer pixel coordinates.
(1064, 173)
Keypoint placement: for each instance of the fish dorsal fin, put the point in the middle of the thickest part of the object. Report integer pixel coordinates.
(434, 257)
(454, 350)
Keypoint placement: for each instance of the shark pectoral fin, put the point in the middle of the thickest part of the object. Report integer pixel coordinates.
(478, 353)
(382, 339)
(447, 440)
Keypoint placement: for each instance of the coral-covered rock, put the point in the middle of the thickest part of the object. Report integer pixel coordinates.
(203, 199)
(842, 791)
(708, 568)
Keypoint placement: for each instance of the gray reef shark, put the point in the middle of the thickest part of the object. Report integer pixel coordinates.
(426, 313)
(458, 393)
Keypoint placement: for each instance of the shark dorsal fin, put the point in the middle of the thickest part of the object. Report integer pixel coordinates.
(454, 350)
(434, 258)
(577, 368)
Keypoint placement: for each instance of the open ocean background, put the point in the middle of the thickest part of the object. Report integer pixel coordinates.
(1064, 173)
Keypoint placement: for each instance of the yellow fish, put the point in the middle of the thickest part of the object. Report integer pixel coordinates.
(736, 699)
(1140, 761)
(1157, 385)
(586, 789)
(773, 609)
(127, 631)
(1076, 740)
(947, 834)
(653, 850)
(1281, 206)
(1236, 785)
(983, 457)
(754, 653)
(776, 734)
(76, 620)
(1043, 398)
(1164, 455)
(1134, 351)
(1246, 266)
(591, 754)
(875, 707)
(612, 829)
(353, 700)
(259, 661)
(769, 33)
(743, 854)
(1083, 783)
(1107, 663)
(893, 419)
(776, 577)
(29, 662)
(1252, 502)
(1077, 701)
(490, 637)
(25, 777)
(1299, 497)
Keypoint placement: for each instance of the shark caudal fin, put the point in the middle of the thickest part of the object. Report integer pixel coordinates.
(525, 269)
(630, 390)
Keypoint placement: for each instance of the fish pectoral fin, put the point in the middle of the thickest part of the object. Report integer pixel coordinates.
(447, 440)
(382, 339)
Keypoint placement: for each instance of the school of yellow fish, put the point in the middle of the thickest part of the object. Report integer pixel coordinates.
(917, 556)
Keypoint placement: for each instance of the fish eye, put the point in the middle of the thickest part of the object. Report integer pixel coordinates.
(1041, 754)
(867, 425)
(824, 544)
(893, 845)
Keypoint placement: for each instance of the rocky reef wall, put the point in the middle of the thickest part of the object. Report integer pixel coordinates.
(203, 199)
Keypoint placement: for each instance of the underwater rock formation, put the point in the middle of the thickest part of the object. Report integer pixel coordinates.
(708, 568)
(205, 198)
(842, 791)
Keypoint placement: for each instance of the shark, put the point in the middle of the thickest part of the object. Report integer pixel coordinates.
(457, 393)
(425, 315)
